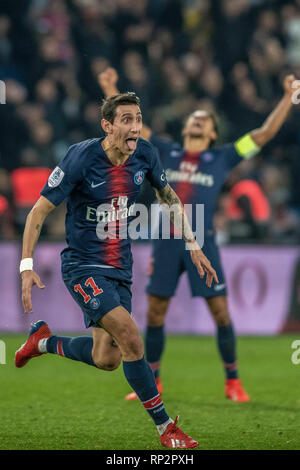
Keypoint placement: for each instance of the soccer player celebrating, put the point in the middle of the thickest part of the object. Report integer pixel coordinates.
(197, 172)
(101, 178)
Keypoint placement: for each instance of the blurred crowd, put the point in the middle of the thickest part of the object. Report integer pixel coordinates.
(178, 56)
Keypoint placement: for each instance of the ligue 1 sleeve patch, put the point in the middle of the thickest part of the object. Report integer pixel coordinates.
(56, 177)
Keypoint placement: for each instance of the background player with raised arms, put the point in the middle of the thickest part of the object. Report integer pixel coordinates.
(197, 172)
(97, 272)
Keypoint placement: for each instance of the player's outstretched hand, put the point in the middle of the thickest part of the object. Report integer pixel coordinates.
(29, 279)
(108, 80)
(203, 265)
(291, 85)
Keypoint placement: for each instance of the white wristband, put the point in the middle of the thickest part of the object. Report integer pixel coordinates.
(26, 264)
(192, 245)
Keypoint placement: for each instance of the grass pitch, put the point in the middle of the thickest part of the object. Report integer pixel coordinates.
(56, 403)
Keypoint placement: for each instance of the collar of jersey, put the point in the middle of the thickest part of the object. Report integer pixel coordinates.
(192, 155)
(108, 159)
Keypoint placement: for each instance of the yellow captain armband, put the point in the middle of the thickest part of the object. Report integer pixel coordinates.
(246, 147)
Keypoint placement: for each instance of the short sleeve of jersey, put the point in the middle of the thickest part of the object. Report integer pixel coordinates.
(156, 173)
(64, 177)
(165, 147)
(162, 145)
(243, 149)
(230, 156)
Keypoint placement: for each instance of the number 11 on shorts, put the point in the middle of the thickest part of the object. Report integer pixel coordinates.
(89, 282)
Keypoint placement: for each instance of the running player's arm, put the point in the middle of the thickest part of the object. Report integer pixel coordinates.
(279, 115)
(59, 186)
(33, 226)
(107, 81)
(167, 197)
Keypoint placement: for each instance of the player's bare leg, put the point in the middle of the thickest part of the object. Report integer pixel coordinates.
(219, 310)
(227, 347)
(155, 337)
(119, 324)
(157, 309)
(106, 354)
(123, 330)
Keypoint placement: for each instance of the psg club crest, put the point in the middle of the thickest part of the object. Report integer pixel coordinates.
(139, 177)
(208, 156)
(94, 303)
(176, 153)
(56, 177)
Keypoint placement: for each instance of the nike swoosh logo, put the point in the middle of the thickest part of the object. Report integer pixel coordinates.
(155, 401)
(95, 185)
(219, 286)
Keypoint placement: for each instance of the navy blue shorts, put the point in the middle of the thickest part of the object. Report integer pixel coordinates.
(170, 259)
(96, 295)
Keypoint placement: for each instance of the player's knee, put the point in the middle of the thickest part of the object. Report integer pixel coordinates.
(112, 365)
(128, 339)
(155, 318)
(130, 342)
(157, 311)
(107, 358)
(221, 316)
(107, 364)
(135, 345)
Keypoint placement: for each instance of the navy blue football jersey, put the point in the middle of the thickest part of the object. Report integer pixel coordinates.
(100, 196)
(197, 177)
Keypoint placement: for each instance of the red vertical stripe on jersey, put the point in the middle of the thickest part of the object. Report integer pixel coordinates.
(185, 189)
(119, 186)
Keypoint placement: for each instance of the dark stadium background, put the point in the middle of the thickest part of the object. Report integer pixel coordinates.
(229, 55)
(178, 56)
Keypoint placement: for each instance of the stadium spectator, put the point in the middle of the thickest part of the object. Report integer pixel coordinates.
(248, 206)
(232, 52)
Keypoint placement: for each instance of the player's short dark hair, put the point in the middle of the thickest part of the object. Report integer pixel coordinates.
(213, 116)
(109, 105)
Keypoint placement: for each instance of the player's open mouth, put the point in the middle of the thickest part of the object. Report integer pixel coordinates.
(131, 143)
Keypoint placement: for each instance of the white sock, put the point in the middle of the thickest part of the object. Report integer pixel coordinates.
(42, 345)
(162, 427)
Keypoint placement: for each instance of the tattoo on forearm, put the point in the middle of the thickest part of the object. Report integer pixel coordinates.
(167, 196)
(38, 228)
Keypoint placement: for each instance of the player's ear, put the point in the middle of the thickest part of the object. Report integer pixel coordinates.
(106, 126)
(213, 135)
